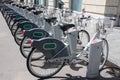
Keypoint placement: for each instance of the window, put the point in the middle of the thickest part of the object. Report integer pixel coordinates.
(76, 5)
(38, 2)
(56, 3)
(46, 3)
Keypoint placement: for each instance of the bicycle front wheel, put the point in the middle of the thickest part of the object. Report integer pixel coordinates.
(104, 53)
(41, 67)
(83, 38)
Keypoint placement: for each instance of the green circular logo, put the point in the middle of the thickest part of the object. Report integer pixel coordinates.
(27, 26)
(49, 46)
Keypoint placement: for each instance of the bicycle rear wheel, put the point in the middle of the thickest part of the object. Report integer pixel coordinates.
(41, 67)
(25, 47)
(104, 53)
(18, 36)
(13, 28)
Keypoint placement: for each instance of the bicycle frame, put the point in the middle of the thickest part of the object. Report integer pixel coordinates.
(99, 26)
(89, 43)
(95, 36)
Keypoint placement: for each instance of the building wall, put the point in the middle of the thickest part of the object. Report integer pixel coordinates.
(51, 3)
(42, 2)
(99, 7)
(103, 7)
(66, 3)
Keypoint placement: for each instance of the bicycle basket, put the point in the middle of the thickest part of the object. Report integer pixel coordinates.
(108, 24)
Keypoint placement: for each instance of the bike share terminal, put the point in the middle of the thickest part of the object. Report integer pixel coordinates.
(94, 59)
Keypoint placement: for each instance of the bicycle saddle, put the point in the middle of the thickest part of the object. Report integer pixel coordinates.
(23, 7)
(83, 18)
(17, 5)
(13, 4)
(37, 12)
(65, 27)
(50, 19)
(10, 2)
(20, 6)
(30, 8)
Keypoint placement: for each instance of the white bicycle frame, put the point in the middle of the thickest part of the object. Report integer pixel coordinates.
(96, 35)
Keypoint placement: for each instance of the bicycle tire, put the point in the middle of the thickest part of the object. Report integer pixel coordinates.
(84, 32)
(41, 74)
(25, 55)
(9, 22)
(12, 28)
(105, 53)
(17, 39)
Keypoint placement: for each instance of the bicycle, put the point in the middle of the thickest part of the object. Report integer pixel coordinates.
(18, 34)
(56, 54)
(54, 32)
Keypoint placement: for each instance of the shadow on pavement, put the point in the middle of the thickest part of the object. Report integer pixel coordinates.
(79, 78)
(107, 73)
(84, 78)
